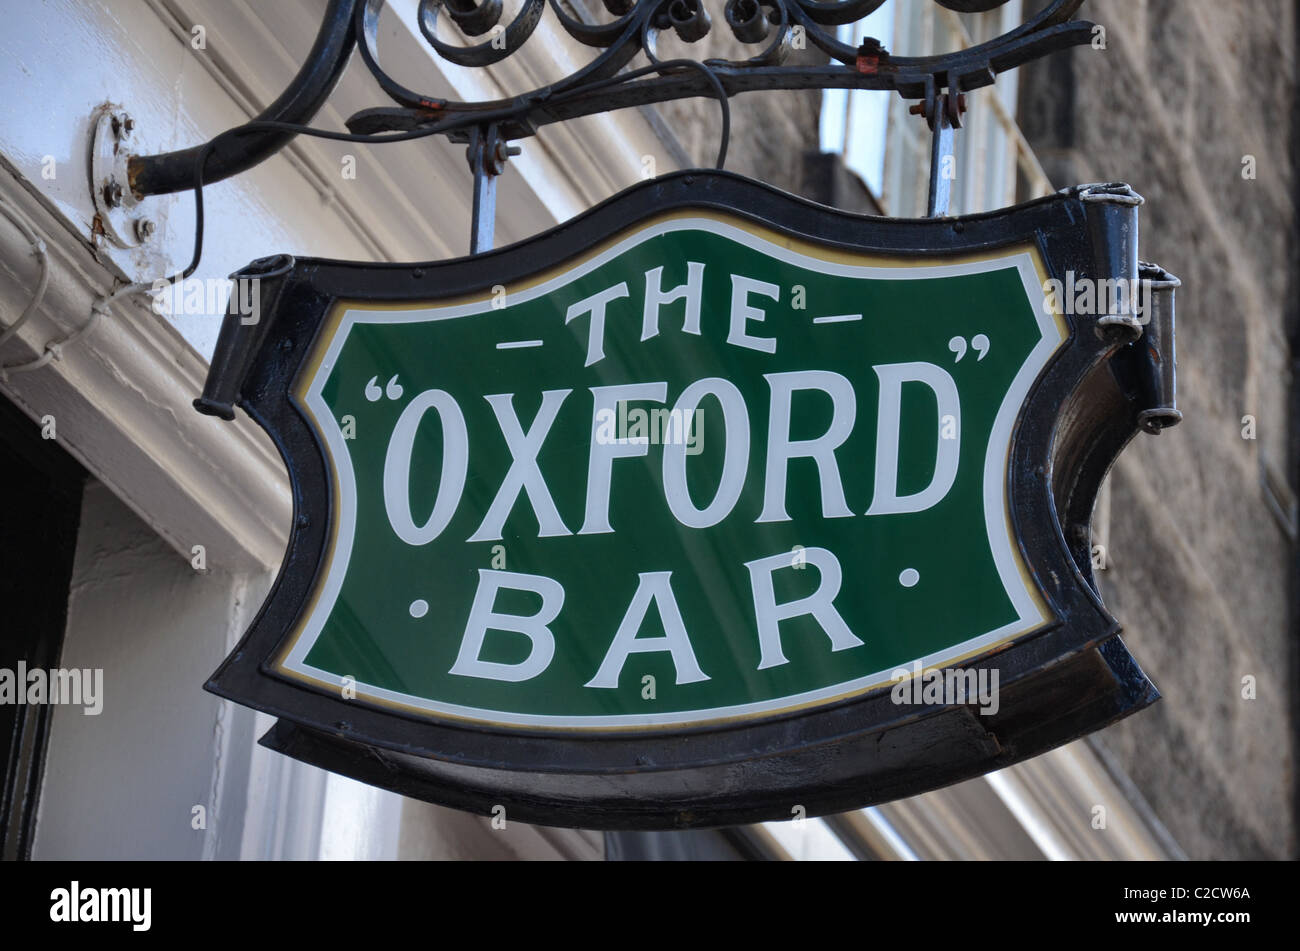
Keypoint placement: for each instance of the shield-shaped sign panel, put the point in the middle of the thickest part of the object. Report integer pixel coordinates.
(705, 506)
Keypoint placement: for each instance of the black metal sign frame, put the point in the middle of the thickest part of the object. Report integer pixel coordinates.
(1102, 387)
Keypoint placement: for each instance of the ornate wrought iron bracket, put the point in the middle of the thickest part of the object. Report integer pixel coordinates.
(770, 29)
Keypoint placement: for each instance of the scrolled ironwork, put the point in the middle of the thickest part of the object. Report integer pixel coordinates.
(775, 26)
(772, 28)
(476, 20)
(609, 81)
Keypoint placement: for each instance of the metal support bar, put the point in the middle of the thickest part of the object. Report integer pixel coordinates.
(942, 112)
(940, 152)
(482, 226)
(486, 153)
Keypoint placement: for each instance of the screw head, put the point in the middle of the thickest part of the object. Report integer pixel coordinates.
(144, 229)
(113, 194)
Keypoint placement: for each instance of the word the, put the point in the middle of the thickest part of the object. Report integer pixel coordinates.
(740, 310)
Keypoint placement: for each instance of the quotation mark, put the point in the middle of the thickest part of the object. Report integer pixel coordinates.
(979, 343)
(393, 389)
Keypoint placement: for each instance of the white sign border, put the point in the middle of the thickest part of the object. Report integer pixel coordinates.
(1030, 613)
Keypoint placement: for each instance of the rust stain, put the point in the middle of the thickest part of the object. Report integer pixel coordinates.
(133, 168)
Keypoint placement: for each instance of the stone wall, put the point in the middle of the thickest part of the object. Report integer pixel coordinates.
(770, 131)
(1201, 569)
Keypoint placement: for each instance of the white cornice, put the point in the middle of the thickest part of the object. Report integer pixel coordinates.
(120, 399)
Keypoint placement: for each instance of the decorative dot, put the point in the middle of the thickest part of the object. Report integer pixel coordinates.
(420, 607)
(909, 577)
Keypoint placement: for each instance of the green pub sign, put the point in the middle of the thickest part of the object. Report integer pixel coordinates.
(704, 472)
(709, 479)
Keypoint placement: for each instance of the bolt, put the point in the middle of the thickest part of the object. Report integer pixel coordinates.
(113, 194)
(917, 109)
(144, 229)
(500, 152)
(123, 125)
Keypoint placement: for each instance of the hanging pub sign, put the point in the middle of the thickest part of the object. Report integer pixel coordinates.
(705, 506)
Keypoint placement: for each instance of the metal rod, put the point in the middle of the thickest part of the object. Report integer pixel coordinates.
(942, 111)
(483, 221)
(487, 153)
(940, 153)
(174, 171)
